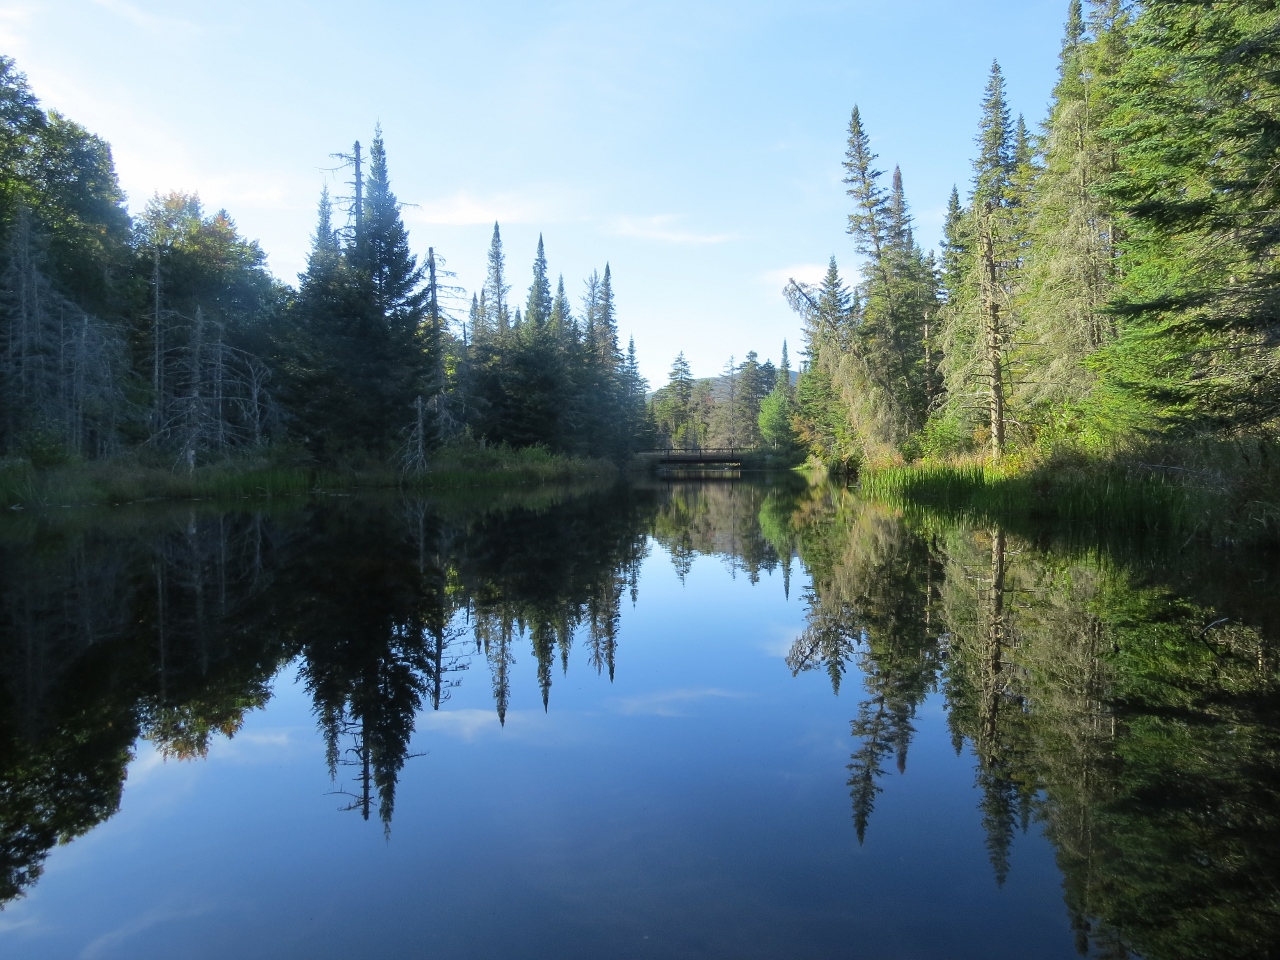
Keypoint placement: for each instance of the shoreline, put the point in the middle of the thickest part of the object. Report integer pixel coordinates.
(126, 482)
(1130, 497)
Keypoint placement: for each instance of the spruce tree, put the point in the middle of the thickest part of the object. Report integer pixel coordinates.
(994, 165)
(1071, 252)
(539, 306)
(953, 246)
(1196, 130)
(393, 270)
(497, 314)
(869, 221)
(880, 372)
(980, 321)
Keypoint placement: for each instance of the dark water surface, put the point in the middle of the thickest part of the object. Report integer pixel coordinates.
(679, 720)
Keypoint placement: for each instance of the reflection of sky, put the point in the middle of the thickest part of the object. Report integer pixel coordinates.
(694, 807)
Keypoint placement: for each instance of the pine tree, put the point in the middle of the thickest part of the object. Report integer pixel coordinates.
(993, 168)
(1071, 252)
(540, 305)
(497, 316)
(1195, 126)
(393, 270)
(980, 322)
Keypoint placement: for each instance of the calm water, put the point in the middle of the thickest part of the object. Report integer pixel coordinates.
(691, 720)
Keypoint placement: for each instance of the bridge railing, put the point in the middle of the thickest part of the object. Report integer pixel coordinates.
(702, 452)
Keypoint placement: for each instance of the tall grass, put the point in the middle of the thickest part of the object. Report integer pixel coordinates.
(1104, 503)
(459, 467)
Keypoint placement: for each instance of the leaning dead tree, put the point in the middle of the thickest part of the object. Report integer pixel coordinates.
(62, 370)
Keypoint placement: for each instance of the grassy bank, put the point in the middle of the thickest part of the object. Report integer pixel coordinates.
(135, 480)
(1224, 492)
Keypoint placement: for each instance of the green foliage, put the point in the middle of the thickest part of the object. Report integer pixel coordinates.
(1195, 127)
(1107, 282)
(167, 331)
(777, 411)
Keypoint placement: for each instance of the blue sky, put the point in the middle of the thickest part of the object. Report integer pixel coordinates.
(695, 146)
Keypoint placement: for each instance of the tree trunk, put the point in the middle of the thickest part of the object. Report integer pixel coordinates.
(994, 336)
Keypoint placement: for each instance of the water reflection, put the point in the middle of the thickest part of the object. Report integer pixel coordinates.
(171, 627)
(1126, 704)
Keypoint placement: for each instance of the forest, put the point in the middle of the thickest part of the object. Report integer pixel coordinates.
(162, 336)
(1106, 285)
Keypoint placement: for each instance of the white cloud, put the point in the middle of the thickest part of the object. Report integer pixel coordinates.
(668, 703)
(464, 209)
(801, 272)
(13, 16)
(663, 229)
(147, 21)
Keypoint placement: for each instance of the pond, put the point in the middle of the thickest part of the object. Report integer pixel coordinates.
(664, 719)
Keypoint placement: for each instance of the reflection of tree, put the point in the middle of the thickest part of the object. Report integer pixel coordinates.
(722, 520)
(987, 705)
(1139, 726)
(871, 602)
(1147, 744)
(106, 635)
(174, 628)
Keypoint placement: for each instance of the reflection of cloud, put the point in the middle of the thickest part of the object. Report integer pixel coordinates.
(801, 272)
(778, 641)
(667, 703)
(466, 723)
(662, 228)
(8, 926)
(134, 927)
(270, 738)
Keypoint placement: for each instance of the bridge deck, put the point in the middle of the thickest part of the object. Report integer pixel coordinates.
(716, 455)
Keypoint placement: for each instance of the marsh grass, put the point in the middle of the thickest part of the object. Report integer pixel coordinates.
(135, 480)
(1150, 494)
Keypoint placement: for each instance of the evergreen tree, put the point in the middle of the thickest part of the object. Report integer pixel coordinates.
(1195, 126)
(980, 321)
(953, 247)
(993, 168)
(393, 271)
(497, 316)
(540, 305)
(1071, 254)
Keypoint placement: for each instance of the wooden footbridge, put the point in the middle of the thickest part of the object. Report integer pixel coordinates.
(706, 457)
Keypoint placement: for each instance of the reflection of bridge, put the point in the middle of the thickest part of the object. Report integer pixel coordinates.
(708, 456)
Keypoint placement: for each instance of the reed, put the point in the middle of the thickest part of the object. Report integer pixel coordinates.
(1101, 503)
(134, 481)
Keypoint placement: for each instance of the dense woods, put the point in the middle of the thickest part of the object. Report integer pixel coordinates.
(1105, 281)
(164, 335)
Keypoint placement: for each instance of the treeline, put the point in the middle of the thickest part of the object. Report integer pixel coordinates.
(1109, 278)
(164, 333)
(749, 405)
